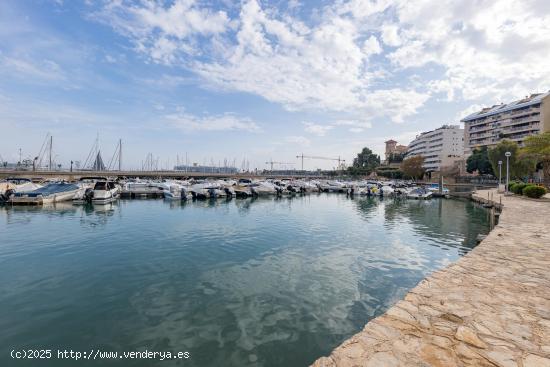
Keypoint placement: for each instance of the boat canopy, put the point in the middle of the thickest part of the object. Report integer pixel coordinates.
(50, 189)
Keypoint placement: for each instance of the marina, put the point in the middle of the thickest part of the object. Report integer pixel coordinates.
(100, 189)
(351, 183)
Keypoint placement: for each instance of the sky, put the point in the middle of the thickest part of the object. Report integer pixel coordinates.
(227, 81)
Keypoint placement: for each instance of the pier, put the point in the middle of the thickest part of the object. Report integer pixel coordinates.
(75, 175)
(489, 308)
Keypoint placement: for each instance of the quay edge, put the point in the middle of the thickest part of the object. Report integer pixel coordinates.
(489, 308)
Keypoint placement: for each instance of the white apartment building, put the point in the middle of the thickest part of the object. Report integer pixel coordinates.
(513, 121)
(440, 147)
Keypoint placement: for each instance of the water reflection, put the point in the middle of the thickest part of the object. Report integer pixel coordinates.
(244, 282)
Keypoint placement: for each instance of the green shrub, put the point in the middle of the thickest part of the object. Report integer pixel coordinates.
(518, 188)
(512, 186)
(534, 191)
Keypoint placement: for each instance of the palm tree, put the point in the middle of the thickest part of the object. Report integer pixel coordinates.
(538, 148)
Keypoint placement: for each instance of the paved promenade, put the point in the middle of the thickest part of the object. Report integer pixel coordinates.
(490, 308)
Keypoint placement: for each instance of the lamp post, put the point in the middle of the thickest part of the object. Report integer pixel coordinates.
(499, 172)
(507, 154)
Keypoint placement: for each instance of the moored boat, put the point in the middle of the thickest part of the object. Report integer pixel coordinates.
(51, 193)
(419, 193)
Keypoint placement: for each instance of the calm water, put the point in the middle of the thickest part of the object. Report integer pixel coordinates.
(241, 283)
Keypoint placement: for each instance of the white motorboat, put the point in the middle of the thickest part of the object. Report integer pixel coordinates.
(263, 188)
(143, 189)
(105, 192)
(386, 191)
(50, 193)
(419, 193)
(207, 190)
(176, 191)
(10, 186)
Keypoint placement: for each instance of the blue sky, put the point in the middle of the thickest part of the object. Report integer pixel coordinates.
(257, 80)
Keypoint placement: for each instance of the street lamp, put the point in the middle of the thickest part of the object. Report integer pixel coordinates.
(507, 154)
(499, 173)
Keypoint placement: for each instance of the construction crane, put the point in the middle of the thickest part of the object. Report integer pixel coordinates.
(271, 163)
(340, 161)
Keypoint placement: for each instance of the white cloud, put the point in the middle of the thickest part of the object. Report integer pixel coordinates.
(316, 129)
(371, 46)
(487, 49)
(298, 140)
(355, 126)
(37, 70)
(462, 49)
(225, 122)
(267, 52)
(164, 33)
(468, 111)
(390, 35)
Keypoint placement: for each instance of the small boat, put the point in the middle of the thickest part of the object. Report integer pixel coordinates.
(419, 193)
(176, 191)
(143, 189)
(105, 192)
(386, 191)
(51, 193)
(264, 188)
(86, 184)
(10, 186)
(208, 190)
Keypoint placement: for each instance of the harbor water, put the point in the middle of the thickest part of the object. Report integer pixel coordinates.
(255, 282)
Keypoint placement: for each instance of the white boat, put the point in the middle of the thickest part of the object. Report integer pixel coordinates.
(50, 193)
(105, 192)
(419, 193)
(386, 191)
(207, 190)
(86, 185)
(263, 188)
(143, 189)
(176, 191)
(10, 186)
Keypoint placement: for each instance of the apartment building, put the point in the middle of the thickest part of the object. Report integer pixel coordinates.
(440, 147)
(513, 121)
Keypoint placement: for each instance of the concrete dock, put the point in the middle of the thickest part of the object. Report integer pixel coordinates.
(490, 308)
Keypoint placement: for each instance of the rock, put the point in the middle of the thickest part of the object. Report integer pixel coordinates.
(437, 357)
(532, 360)
(382, 359)
(467, 335)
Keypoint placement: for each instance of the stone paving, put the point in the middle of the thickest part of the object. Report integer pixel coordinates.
(490, 308)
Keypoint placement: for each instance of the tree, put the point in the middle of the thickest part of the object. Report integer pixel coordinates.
(537, 147)
(518, 167)
(479, 161)
(412, 167)
(365, 163)
(396, 157)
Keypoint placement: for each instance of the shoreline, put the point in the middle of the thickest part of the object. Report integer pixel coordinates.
(489, 308)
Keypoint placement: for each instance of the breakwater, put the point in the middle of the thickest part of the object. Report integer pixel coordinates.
(489, 308)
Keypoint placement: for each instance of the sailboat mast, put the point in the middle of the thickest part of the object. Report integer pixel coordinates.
(51, 142)
(120, 155)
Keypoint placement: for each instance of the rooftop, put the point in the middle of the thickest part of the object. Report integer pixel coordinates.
(524, 102)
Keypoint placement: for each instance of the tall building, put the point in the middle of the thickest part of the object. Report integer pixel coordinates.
(513, 121)
(440, 147)
(393, 148)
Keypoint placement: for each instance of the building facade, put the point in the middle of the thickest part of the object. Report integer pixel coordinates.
(513, 121)
(393, 148)
(441, 147)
